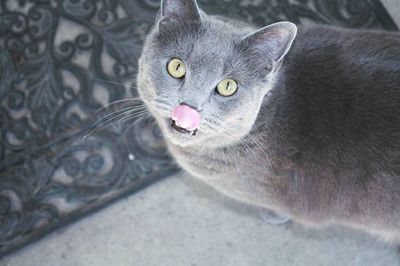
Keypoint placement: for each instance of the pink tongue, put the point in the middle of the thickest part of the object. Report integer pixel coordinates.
(186, 117)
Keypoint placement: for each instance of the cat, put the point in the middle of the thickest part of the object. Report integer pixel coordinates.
(300, 120)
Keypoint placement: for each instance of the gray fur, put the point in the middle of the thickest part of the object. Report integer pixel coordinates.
(315, 136)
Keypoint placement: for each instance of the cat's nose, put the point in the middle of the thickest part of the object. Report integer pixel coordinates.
(186, 117)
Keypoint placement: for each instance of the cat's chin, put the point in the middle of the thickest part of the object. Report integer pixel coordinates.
(183, 139)
(179, 137)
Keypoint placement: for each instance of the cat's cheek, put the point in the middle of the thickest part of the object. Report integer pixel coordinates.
(143, 91)
(164, 126)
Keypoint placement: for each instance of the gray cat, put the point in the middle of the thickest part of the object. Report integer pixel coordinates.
(302, 121)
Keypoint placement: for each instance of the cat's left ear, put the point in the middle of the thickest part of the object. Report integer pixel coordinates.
(273, 41)
(178, 13)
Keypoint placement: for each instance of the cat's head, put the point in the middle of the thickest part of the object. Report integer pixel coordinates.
(204, 78)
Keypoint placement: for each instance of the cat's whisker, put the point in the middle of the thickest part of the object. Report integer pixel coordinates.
(112, 119)
(101, 119)
(110, 81)
(135, 100)
(121, 115)
(126, 84)
(159, 100)
(210, 125)
(162, 107)
(211, 128)
(137, 115)
(120, 120)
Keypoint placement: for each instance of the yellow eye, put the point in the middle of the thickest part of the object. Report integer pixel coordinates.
(176, 68)
(227, 87)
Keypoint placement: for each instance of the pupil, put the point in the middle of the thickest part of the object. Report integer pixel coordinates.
(178, 66)
(227, 85)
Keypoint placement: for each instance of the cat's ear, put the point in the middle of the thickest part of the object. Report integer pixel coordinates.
(178, 12)
(273, 41)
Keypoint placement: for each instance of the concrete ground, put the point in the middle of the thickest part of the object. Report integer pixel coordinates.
(393, 7)
(180, 221)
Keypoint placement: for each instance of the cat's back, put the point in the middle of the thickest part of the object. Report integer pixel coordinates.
(342, 78)
(339, 95)
(346, 56)
(353, 42)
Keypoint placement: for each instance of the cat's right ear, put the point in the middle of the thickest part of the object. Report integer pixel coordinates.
(178, 13)
(271, 42)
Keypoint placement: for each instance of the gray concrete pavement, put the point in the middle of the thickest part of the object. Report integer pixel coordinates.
(180, 221)
(393, 7)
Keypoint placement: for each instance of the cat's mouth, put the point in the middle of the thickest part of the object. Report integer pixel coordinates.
(184, 121)
(176, 127)
(180, 129)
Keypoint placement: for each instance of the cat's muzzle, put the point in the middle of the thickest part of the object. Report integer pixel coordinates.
(185, 119)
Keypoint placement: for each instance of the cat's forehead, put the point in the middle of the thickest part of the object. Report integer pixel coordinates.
(211, 47)
(211, 51)
(214, 41)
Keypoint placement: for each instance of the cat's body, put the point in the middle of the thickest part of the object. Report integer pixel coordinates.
(323, 145)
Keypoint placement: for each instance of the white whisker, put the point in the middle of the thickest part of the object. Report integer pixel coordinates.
(137, 100)
(112, 120)
(136, 115)
(101, 119)
(110, 81)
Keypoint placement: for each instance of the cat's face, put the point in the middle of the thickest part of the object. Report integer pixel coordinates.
(204, 79)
